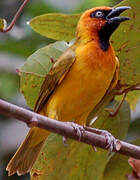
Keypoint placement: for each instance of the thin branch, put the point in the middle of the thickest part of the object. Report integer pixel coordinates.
(65, 129)
(15, 17)
(125, 91)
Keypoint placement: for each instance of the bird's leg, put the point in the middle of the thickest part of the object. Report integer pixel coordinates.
(111, 142)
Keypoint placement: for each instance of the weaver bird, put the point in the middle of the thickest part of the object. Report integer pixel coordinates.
(77, 81)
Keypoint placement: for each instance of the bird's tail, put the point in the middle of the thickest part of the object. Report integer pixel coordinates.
(28, 152)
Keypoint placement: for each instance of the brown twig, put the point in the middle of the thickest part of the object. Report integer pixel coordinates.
(123, 92)
(15, 18)
(65, 129)
(114, 113)
(129, 89)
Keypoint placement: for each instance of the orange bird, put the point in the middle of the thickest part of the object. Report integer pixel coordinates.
(77, 81)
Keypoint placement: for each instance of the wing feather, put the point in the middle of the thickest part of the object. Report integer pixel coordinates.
(57, 73)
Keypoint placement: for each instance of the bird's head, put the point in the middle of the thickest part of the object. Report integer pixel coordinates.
(99, 23)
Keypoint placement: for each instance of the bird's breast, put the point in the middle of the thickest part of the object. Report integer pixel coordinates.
(84, 85)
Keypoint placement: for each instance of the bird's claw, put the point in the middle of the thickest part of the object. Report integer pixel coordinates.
(78, 130)
(112, 144)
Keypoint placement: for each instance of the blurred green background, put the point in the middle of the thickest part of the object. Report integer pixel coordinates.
(15, 47)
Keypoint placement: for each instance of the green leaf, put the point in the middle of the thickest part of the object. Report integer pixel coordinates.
(30, 86)
(56, 26)
(134, 130)
(25, 46)
(126, 41)
(122, 120)
(33, 71)
(78, 160)
(118, 167)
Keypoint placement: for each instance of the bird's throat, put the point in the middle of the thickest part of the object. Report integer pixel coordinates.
(105, 34)
(104, 43)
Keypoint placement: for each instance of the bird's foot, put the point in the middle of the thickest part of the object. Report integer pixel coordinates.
(78, 130)
(112, 144)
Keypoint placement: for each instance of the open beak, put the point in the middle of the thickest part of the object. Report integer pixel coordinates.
(114, 18)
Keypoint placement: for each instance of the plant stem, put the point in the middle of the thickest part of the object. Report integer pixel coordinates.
(15, 17)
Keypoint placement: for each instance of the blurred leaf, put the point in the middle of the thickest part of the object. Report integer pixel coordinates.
(84, 5)
(118, 167)
(23, 47)
(36, 67)
(42, 7)
(56, 26)
(78, 160)
(8, 85)
(132, 98)
(134, 130)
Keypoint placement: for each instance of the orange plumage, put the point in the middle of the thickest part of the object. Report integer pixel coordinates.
(77, 82)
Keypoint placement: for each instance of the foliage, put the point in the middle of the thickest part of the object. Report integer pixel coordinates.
(36, 67)
(56, 26)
